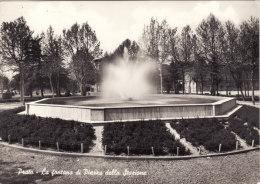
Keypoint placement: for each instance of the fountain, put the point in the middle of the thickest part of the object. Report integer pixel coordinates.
(127, 80)
(127, 97)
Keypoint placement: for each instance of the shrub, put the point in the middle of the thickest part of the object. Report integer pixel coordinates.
(140, 137)
(248, 114)
(207, 132)
(246, 132)
(69, 134)
(67, 94)
(7, 96)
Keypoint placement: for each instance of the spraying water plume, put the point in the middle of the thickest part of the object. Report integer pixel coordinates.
(126, 79)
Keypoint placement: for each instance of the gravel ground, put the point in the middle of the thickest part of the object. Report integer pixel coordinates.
(9, 105)
(183, 141)
(240, 168)
(98, 147)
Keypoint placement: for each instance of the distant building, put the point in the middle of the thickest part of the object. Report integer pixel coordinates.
(98, 66)
(190, 84)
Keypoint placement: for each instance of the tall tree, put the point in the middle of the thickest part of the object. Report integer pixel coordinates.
(83, 69)
(199, 65)
(81, 46)
(209, 32)
(182, 51)
(173, 51)
(132, 49)
(230, 55)
(33, 58)
(52, 56)
(249, 48)
(155, 44)
(14, 38)
(163, 47)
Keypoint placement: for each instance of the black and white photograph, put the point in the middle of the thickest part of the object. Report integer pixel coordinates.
(131, 92)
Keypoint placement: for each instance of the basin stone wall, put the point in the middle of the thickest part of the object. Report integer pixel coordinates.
(146, 112)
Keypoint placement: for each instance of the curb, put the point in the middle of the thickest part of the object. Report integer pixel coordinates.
(127, 157)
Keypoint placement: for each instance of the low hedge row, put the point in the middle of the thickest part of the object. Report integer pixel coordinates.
(206, 132)
(140, 137)
(247, 98)
(69, 134)
(7, 96)
(244, 130)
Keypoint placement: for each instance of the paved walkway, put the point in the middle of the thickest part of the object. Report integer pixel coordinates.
(241, 141)
(98, 148)
(183, 141)
(10, 105)
(240, 168)
(257, 104)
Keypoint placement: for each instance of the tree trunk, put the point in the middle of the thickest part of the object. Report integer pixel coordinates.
(202, 84)
(245, 89)
(22, 84)
(253, 86)
(248, 89)
(197, 87)
(161, 80)
(226, 85)
(183, 82)
(242, 94)
(217, 86)
(58, 85)
(82, 89)
(51, 87)
(176, 87)
(173, 86)
(211, 84)
(190, 86)
(42, 92)
(237, 91)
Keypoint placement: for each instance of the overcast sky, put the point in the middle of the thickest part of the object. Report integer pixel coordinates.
(114, 21)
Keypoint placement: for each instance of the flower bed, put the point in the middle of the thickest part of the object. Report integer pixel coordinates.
(244, 130)
(205, 132)
(69, 134)
(140, 137)
(248, 114)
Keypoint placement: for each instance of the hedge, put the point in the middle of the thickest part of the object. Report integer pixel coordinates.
(140, 137)
(248, 114)
(69, 134)
(243, 130)
(206, 132)
(7, 96)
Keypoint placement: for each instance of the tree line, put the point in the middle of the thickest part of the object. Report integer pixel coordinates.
(216, 55)
(213, 55)
(49, 61)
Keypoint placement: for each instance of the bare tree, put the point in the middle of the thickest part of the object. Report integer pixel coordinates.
(14, 38)
(83, 69)
(249, 48)
(230, 55)
(52, 56)
(155, 44)
(185, 52)
(209, 33)
(199, 65)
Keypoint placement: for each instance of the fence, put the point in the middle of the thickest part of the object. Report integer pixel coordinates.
(127, 150)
